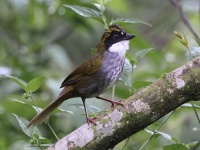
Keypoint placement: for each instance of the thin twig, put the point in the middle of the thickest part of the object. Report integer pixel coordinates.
(195, 111)
(147, 141)
(113, 92)
(196, 146)
(35, 104)
(126, 143)
(38, 144)
(48, 124)
(184, 18)
(132, 65)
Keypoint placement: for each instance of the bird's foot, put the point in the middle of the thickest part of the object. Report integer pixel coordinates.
(91, 120)
(116, 103)
(113, 103)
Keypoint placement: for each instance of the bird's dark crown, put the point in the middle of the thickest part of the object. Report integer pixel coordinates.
(112, 35)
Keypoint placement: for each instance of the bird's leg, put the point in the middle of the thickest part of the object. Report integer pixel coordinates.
(111, 101)
(89, 120)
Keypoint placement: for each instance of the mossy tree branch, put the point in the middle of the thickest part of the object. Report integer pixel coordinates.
(140, 110)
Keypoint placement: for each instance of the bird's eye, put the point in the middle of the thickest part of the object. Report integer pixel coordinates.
(116, 36)
(122, 33)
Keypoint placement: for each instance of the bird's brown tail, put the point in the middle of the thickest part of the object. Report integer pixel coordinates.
(43, 115)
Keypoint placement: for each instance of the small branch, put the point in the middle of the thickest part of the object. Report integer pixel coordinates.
(145, 143)
(184, 19)
(195, 111)
(139, 111)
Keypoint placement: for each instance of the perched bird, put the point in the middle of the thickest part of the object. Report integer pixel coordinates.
(95, 75)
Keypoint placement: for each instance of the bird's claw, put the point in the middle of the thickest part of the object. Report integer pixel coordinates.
(91, 120)
(116, 103)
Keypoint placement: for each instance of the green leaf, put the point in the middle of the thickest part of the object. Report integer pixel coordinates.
(175, 147)
(18, 101)
(149, 131)
(23, 103)
(129, 20)
(192, 144)
(130, 58)
(28, 131)
(38, 110)
(142, 53)
(185, 39)
(178, 34)
(35, 136)
(35, 83)
(189, 105)
(91, 108)
(140, 84)
(183, 42)
(167, 136)
(20, 82)
(57, 110)
(99, 7)
(126, 74)
(62, 110)
(84, 11)
(103, 2)
(41, 139)
(159, 133)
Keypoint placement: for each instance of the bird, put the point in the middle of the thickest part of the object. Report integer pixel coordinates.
(94, 76)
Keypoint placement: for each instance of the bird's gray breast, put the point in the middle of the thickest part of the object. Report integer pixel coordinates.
(110, 71)
(111, 68)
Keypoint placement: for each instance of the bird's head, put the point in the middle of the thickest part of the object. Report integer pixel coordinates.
(114, 37)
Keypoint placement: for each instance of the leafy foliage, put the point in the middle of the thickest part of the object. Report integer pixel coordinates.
(129, 20)
(20, 82)
(175, 147)
(35, 83)
(84, 11)
(41, 41)
(98, 14)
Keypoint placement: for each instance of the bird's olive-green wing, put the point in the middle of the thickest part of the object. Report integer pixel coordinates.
(87, 68)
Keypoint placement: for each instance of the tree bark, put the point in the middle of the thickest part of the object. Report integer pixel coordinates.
(139, 111)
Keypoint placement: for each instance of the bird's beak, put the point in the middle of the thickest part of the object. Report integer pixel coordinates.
(129, 36)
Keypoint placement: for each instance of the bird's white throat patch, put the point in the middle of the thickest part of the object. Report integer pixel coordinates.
(120, 47)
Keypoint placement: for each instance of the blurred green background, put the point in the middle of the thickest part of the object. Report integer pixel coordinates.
(41, 37)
